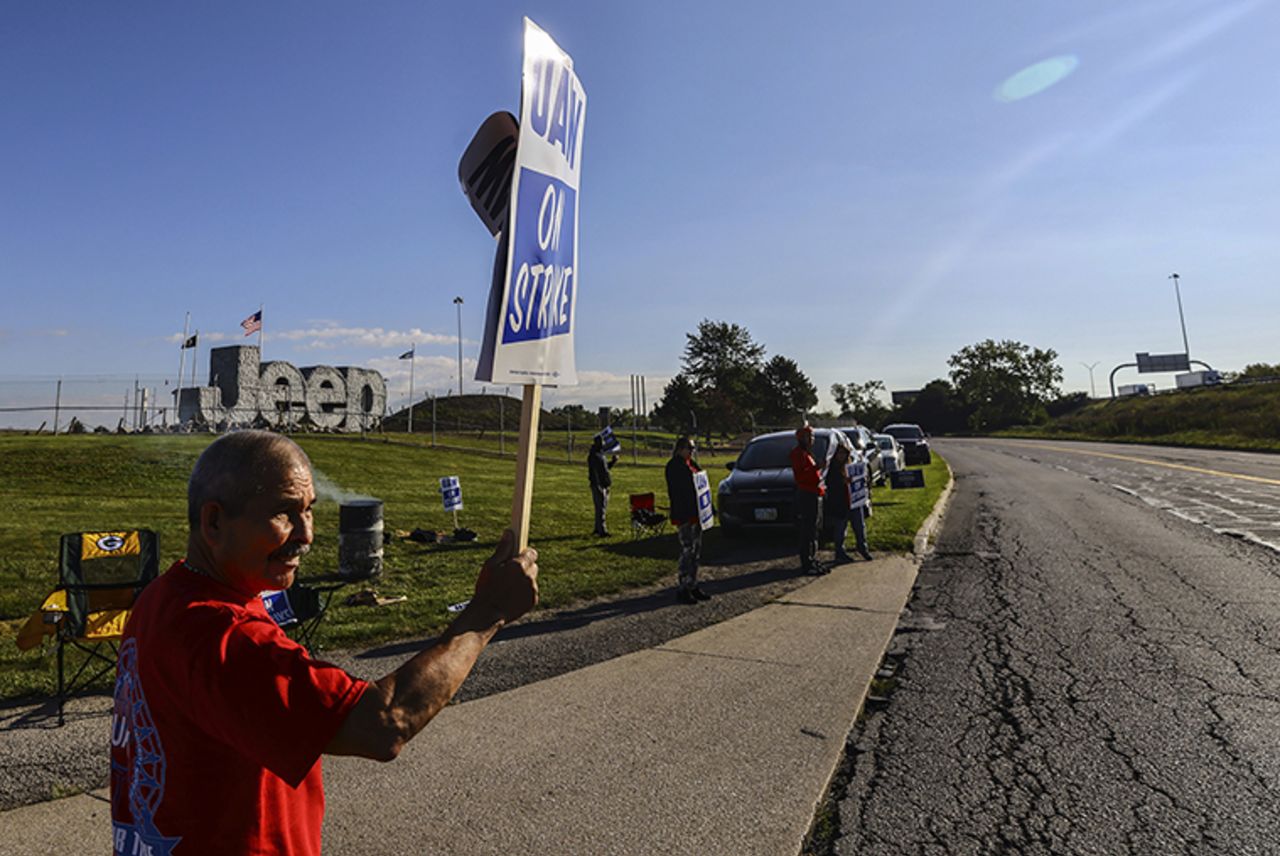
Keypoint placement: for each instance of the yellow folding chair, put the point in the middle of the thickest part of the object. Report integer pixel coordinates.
(99, 576)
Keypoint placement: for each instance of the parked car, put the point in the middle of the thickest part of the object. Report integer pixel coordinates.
(866, 446)
(892, 455)
(915, 443)
(760, 488)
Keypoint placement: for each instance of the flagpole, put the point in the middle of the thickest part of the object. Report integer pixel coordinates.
(195, 358)
(182, 360)
(413, 358)
(261, 323)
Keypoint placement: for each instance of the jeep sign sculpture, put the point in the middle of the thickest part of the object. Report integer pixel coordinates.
(243, 391)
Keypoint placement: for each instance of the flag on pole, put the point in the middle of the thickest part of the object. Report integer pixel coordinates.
(408, 355)
(253, 323)
(190, 342)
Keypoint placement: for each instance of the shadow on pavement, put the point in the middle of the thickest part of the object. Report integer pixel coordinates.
(570, 619)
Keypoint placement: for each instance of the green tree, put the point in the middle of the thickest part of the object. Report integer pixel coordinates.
(861, 401)
(1258, 371)
(570, 415)
(679, 407)
(784, 394)
(937, 409)
(723, 364)
(1005, 383)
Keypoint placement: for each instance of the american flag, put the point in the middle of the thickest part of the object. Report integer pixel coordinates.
(253, 323)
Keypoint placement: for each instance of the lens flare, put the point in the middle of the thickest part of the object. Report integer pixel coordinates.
(1035, 79)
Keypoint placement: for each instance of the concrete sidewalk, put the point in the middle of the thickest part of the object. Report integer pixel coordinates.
(721, 741)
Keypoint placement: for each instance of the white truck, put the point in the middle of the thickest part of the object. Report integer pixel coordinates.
(1202, 378)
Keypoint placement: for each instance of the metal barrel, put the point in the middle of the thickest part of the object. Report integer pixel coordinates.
(360, 539)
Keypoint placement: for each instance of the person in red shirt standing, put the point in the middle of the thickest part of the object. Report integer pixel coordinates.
(220, 719)
(809, 492)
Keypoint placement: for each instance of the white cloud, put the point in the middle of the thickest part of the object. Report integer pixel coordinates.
(205, 338)
(323, 336)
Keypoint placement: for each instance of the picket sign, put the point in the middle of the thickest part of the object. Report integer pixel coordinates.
(533, 294)
(608, 440)
(451, 494)
(702, 485)
(858, 488)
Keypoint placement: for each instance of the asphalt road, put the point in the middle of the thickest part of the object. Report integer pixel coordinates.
(1089, 663)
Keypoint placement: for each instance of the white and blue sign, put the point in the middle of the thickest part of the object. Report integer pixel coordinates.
(608, 441)
(701, 484)
(451, 492)
(861, 494)
(540, 292)
(278, 607)
(529, 329)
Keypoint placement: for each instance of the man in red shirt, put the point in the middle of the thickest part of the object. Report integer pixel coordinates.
(809, 491)
(220, 719)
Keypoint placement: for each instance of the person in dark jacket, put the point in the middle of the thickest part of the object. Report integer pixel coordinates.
(842, 507)
(598, 474)
(838, 500)
(683, 497)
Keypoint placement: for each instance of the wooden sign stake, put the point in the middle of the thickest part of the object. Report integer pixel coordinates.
(526, 458)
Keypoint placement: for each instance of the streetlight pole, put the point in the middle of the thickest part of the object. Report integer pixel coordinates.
(1186, 349)
(457, 301)
(1092, 393)
(413, 358)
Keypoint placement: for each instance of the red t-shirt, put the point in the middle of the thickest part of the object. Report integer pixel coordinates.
(808, 477)
(219, 723)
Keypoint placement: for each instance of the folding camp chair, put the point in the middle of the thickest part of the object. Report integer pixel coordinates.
(299, 609)
(99, 577)
(645, 519)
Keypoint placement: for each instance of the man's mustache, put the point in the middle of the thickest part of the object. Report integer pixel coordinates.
(291, 550)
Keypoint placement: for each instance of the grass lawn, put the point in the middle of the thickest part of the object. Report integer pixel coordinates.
(52, 485)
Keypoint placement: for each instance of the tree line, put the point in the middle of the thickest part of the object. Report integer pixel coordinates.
(726, 386)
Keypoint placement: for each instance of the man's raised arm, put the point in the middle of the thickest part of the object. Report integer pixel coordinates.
(396, 707)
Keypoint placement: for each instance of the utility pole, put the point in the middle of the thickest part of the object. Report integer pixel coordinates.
(413, 358)
(635, 405)
(57, 407)
(1092, 392)
(1186, 349)
(182, 358)
(457, 301)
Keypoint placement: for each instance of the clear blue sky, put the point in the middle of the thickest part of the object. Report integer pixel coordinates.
(847, 180)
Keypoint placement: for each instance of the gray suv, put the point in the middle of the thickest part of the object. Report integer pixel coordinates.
(914, 442)
(760, 488)
(861, 439)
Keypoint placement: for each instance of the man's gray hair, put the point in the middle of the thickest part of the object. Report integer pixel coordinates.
(234, 468)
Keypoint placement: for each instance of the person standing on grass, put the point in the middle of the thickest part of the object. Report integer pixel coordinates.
(220, 719)
(682, 496)
(598, 474)
(809, 492)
